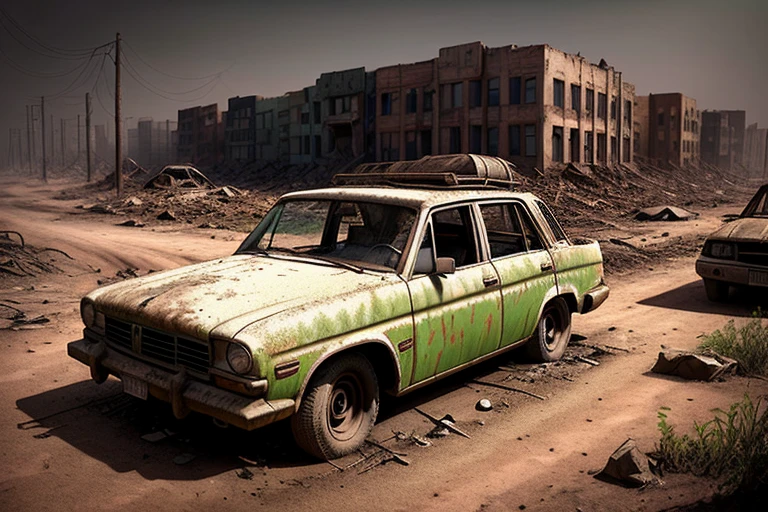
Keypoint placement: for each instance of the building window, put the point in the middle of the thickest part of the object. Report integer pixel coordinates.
(493, 141)
(661, 119)
(318, 146)
(626, 153)
(530, 90)
(514, 140)
(575, 147)
(613, 107)
(557, 143)
(316, 111)
(602, 104)
(410, 101)
(306, 145)
(530, 140)
(452, 95)
(426, 142)
(514, 90)
(614, 150)
(410, 145)
(589, 104)
(558, 93)
(476, 139)
(475, 93)
(454, 143)
(601, 143)
(386, 104)
(390, 146)
(493, 92)
(627, 113)
(428, 101)
(305, 118)
(576, 97)
(588, 155)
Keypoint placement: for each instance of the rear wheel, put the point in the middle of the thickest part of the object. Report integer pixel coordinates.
(552, 332)
(338, 409)
(717, 291)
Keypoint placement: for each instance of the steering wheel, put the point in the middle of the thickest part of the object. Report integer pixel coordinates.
(388, 246)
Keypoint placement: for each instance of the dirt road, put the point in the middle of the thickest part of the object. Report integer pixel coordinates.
(71, 444)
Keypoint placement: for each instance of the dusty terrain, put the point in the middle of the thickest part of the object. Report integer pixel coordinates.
(71, 444)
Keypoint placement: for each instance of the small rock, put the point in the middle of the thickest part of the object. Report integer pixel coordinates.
(484, 405)
(612, 328)
(665, 234)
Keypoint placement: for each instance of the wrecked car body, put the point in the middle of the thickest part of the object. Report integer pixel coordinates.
(394, 278)
(737, 253)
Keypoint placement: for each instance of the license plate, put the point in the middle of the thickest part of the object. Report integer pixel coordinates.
(135, 387)
(758, 278)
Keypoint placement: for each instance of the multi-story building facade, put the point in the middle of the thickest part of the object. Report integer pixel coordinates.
(756, 150)
(716, 139)
(199, 135)
(240, 129)
(667, 128)
(737, 122)
(535, 105)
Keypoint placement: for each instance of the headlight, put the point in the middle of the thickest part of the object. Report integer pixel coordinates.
(88, 313)
(722, 250)
(239, 358)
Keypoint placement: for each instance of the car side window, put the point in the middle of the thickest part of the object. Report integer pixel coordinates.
(557, 231)
(505, 234)
(454, 235)
(532, 239)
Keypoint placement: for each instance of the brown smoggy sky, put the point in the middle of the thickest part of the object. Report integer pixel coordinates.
(712, 50)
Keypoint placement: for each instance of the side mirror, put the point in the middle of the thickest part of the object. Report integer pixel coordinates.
(446, 266)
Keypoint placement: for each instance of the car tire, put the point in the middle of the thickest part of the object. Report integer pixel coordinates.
(338, 409)
(717, 291)
(552, 332)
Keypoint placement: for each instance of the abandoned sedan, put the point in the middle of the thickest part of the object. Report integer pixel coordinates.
(737, 253)
(399, 275)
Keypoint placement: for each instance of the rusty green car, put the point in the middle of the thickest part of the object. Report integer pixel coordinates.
(398, 276)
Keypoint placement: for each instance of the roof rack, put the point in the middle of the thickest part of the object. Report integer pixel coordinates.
(439, 171)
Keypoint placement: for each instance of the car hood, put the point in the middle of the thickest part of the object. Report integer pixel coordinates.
(227, 294)
(746, 229)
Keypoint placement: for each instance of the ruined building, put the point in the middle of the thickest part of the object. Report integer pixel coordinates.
(666, 129)
(722, 138)
(536, 106)
(200, 136)
(756, 151)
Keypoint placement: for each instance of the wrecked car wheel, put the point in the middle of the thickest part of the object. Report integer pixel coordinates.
(717, 291)
(338, 409)
(552, 332)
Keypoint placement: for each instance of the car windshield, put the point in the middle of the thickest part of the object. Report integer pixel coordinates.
(347, 233)
(758, 205)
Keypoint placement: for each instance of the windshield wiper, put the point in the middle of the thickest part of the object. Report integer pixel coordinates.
(332, 261)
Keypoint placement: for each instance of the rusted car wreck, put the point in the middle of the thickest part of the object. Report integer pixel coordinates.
(737, 253)
(400, 274)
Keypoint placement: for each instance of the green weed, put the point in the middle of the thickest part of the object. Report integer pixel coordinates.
(747, 344)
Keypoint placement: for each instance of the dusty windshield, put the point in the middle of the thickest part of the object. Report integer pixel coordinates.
(359, 234)
(758, 205)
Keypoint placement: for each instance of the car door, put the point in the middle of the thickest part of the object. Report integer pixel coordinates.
(524, 265)
(457, 316)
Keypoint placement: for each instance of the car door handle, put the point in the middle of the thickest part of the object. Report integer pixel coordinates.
(546, 266)
(490, 281)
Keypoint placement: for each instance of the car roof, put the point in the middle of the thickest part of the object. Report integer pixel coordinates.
(417, 198)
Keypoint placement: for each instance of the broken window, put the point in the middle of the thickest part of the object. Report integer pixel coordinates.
(514, 140)
(530, 140)
(428, 101)
(589, 104)
(530, 90)
(558, 93)
(455, 140)
(410, 145)
(602, 104)
(493, 141)
(426, 142)
(476, 139)
(575, 145)
(613, 107)
(514, 90)
(475, 93)
(557, 143)
(493, 92)
(386, 103)
(627, 113)
(626, 151)
(661, 119)
(410, 101)
(588, 155)
(576, 97)
(601, 143)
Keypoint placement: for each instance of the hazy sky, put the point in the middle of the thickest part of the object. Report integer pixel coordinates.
(713, 51)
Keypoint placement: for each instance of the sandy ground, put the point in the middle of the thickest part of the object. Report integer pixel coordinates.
(68, 443)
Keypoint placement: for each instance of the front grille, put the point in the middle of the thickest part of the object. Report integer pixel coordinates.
(752, 253)
(159, 346)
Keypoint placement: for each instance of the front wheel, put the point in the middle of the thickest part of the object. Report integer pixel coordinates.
(338, 409)
(552, 332)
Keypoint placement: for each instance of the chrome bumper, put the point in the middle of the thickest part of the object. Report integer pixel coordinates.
(594, 297)
(183, 393)
(732, 272)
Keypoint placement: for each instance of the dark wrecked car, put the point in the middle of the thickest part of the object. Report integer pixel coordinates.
(401, 274)
(737, 253)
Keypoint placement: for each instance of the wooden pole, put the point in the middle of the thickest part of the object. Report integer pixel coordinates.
(42, 120)
(88, 134)
(118, 122)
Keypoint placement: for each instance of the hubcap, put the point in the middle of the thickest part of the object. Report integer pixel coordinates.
(550, 332)
(345, 409)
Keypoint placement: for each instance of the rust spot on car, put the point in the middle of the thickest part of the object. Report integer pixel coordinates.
(472, 317)
(431, 338)
(489, 322)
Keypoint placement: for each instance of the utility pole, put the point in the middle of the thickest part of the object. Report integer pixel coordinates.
(29, 145)
(118, 121)
(168, 141)
(53, 143)
(78, 136)
(88, 134)
(10, 147)
(21, 159)
(42, 128)
(63, 151)
(34, 132)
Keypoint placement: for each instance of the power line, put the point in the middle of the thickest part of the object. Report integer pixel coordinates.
(73, 86)
(36, 74)
(147, 84)
(76, 53)
(150, 66)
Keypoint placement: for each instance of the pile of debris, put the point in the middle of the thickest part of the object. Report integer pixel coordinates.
(20, 260)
